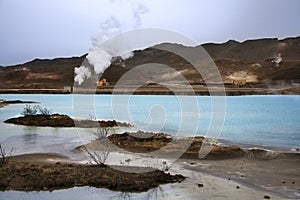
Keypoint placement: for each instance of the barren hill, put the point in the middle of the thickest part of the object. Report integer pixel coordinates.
(40, 73)
(252, 61)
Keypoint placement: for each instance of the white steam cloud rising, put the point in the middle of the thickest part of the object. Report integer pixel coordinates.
(126, 15)
(82, 74)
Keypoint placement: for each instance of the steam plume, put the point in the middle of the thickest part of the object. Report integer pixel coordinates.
(101, 56)
(277, 59)
(82, 74)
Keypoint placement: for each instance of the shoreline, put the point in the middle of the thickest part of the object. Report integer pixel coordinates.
(262, 174)
(266, 147)
(238, 174)
(197, 90)
(153, 143)
(279, 177)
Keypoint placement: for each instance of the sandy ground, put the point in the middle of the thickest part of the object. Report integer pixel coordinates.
(279, 177)
(213, 188)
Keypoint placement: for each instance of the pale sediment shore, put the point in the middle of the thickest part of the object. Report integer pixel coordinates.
(280, 177)
(274, 173)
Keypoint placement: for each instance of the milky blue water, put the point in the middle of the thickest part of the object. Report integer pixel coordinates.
(257, 120)
(271, 121)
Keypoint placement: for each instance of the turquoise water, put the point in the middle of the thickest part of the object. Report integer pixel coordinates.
(258, 120)
(271, 121)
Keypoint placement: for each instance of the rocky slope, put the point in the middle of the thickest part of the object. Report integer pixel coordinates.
(40, 73)
(250, 60)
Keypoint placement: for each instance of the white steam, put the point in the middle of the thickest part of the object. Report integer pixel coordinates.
(277, 59)
(127, 55)
(100, 59)
(126, 16)
(82, 74)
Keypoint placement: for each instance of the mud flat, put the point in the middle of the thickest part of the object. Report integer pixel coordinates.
(276, 174)
(144, 142)
(228, 172)
(33, 173)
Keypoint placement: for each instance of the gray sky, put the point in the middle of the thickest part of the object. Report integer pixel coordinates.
(62, 28)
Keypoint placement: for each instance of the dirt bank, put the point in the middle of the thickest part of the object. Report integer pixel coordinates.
(144, 142)
(30, 175)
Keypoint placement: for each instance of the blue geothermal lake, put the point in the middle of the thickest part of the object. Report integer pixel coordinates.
(272, 121)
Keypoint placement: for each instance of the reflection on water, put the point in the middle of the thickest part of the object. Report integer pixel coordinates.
(30, 139)
(79, 193)
(37, 143)
(122, 196)
(152, 194)
(29, 129)
(30, 135)
(155, 193)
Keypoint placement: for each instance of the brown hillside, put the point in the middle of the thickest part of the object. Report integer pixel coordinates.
(249, 60)
(40, 73)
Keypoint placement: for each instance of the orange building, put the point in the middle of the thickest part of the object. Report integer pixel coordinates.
(103, 82)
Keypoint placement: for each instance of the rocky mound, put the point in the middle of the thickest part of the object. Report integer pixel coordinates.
(143, 142)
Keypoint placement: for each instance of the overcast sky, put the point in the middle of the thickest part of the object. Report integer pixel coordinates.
(62, 28)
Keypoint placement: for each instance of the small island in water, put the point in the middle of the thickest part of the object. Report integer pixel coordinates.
(59, 120)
